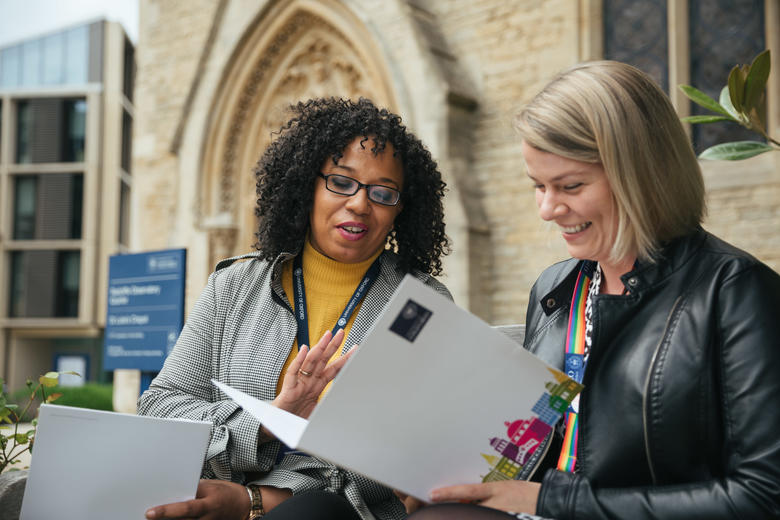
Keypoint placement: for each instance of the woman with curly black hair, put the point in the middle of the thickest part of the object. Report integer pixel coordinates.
(322, 129)
(348, 203)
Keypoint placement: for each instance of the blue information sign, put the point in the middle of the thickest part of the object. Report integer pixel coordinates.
(145, 311)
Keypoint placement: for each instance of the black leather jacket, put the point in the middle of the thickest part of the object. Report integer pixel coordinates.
(679, 416)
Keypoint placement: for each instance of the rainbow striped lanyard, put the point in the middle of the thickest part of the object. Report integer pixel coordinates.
(574, 363)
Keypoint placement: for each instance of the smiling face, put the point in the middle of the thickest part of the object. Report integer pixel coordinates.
(577, 197)
(351, 229)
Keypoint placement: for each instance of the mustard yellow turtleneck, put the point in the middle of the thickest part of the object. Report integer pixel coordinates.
(329, 286)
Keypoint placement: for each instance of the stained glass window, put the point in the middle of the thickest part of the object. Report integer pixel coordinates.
(635, 32)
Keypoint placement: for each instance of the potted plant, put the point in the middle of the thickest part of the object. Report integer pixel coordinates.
(740, 101)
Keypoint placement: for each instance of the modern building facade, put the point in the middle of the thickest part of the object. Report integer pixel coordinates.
(214, 78)
(66, 112)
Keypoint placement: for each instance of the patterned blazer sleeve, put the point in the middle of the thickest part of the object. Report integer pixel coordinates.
(183, 389)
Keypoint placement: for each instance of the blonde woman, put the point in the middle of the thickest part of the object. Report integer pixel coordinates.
(680, 349)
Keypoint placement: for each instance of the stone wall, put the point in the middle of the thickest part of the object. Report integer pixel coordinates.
(171, 37)
(460, 70)
(743, 199)
(748, 217)
(509, 50)
(170, 40)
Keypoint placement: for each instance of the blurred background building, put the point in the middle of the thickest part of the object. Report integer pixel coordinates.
(65, 162)
(214, 78)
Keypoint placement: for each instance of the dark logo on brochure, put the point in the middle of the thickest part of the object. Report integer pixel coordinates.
(410, 321)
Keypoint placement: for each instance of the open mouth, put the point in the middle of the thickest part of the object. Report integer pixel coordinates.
(576, 229)
(353, 230)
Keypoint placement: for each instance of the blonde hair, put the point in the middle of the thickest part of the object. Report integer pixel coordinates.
(614, 114)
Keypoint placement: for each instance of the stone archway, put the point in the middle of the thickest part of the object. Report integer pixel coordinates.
(295, 50)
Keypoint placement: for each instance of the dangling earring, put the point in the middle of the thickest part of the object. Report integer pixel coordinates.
(390, 241)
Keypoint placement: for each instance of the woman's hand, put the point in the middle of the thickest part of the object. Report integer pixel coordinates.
(410, 503)
(214, 499)
(517, 496)
(309, 373)
(219, 499)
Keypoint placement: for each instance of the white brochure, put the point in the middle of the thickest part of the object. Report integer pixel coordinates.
(433, 397)
(91, 464)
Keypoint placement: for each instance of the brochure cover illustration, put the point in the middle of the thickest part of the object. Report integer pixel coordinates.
(523, 436)
(433, 397)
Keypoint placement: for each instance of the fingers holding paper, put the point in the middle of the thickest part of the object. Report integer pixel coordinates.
(410, 503)
(518, 496)
(309, 374)
(215, 499)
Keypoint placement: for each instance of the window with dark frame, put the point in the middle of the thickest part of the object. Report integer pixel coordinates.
(127, 141)
(721, 34)
(50, 130)
(48, 206)
(636, 32)
(44, 284)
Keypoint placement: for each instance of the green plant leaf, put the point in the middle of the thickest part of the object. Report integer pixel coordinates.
(755, 83)
(736, 88)
(49, 379)
(21, 438)
(702, 99)
(53, 397)
(735, 151)
(705, 119)
(725, 102)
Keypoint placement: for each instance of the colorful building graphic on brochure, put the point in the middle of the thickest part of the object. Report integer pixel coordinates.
(524, 436)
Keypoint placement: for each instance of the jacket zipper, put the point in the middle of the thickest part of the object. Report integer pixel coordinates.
(647, 390)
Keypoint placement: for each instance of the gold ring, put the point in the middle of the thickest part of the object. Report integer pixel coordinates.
(302, 371)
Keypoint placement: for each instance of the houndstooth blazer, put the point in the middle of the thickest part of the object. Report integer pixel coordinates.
(240, 332)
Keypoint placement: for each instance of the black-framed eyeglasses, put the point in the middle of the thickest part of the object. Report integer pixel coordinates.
(348, 186)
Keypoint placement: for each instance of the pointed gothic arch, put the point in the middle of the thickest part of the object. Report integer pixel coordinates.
(295, 50)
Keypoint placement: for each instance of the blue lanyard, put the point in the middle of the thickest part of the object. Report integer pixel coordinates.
(299, 296)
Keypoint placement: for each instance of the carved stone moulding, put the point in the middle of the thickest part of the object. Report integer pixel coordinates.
(306, 57)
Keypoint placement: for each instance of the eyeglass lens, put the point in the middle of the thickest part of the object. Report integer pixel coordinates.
(349, 186)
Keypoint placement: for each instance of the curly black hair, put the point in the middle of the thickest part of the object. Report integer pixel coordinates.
(322, 128)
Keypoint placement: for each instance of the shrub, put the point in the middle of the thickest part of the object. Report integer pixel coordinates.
(97, 396)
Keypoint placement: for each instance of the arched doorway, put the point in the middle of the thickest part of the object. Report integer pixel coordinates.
(294, 51)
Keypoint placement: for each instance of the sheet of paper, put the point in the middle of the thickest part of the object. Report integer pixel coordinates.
(90, 464)
(427, 396)
(433, 397)
(287, 427)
